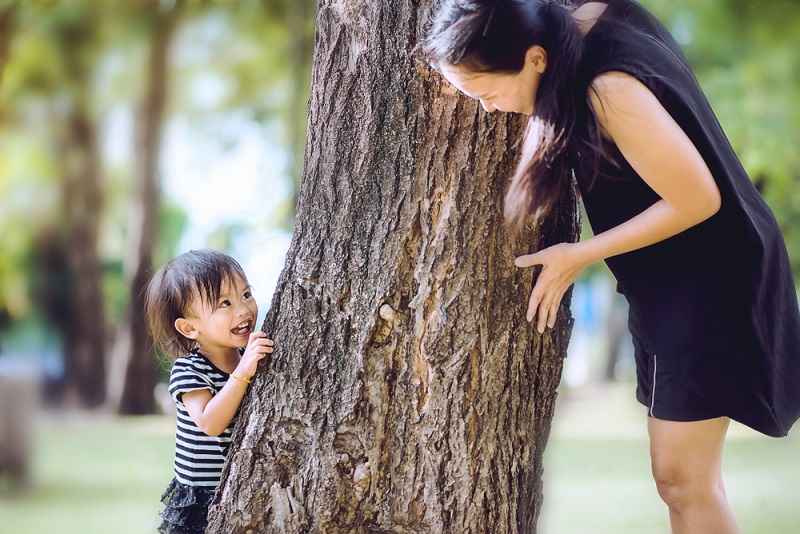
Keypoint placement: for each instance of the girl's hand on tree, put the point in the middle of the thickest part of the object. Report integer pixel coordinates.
(258, 346)
(561, 264)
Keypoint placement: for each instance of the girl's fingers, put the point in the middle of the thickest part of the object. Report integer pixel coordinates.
(255, 335)
(261, 342)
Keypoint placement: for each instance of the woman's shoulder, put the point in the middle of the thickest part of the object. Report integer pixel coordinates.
(648, 54)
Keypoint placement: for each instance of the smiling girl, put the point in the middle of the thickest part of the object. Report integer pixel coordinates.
(201, 311)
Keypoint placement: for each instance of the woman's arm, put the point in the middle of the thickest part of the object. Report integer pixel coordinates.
(666, 159)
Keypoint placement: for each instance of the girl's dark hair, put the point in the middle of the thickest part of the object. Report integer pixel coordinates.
(174, 288)
(494, 36)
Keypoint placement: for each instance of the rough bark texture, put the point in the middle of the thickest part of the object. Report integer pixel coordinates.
(407, 392)
(132, 376)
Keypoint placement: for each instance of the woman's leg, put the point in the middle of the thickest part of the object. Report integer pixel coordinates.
(687, 460)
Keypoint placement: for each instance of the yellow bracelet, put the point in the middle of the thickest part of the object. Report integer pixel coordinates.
(244, 389)
(242, 378)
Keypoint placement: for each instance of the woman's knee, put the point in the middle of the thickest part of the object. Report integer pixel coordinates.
(680, 486)
(686, 460)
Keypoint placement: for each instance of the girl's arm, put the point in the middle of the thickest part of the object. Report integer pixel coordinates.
(666, 159)
(213, 414)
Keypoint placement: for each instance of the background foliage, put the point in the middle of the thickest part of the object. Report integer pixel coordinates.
(74, 75)
(238, 76)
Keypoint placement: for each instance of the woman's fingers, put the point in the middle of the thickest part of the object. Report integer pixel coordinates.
(551, 316)
(529, 260)
(543, 305)
(544, 313)
(533, 303)
(561, 264)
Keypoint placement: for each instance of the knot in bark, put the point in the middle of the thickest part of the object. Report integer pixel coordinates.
(387, 313)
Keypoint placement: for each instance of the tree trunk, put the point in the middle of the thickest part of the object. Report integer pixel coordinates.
(85, 323)
(132, 377)
(299, 16)
(82, 197)
(407, 392)
(6, 25)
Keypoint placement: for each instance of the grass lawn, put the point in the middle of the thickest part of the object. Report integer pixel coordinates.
(94, 474)
(100, 474)
(597, 471)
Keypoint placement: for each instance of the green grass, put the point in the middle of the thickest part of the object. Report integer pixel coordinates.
(597, 471)
(94, 474)
(100, 474)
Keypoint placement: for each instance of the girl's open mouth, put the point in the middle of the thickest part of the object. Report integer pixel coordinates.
(244, 329)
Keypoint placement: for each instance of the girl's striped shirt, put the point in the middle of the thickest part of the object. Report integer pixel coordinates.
(198, 457)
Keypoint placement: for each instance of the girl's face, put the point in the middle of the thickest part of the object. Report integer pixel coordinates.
(228, 325)
(502, 92)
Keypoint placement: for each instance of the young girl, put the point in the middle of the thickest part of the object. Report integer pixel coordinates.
(201, 311)
(694, 248)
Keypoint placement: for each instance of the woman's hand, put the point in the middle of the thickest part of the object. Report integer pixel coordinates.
(561, 264)
(258, 346)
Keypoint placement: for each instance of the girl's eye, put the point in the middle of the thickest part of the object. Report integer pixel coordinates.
(247, 295)
(225, 303)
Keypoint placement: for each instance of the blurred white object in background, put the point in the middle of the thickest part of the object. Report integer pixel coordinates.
(20, 393)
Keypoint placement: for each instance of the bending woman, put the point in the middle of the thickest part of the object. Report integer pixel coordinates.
(694, 248)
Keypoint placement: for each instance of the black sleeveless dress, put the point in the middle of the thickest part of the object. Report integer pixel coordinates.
(716, 302)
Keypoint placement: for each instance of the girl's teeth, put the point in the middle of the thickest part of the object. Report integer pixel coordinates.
(242, 329)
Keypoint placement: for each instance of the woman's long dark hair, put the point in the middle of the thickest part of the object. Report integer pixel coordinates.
(494, 36)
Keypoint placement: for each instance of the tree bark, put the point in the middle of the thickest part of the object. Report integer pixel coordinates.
(407, 392)
(132, 377)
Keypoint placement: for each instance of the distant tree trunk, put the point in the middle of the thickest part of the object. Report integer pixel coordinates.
(85, 323)
(300, 18)
(82, 195)
(132, 377)
(407, 392)
(6, 23)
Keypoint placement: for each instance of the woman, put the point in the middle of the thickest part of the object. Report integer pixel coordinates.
(695, 250)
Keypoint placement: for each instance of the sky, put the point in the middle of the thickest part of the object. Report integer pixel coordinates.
(241, 184)
(230, 173)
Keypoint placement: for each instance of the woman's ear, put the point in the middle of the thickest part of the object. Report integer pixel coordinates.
(185, 328)
(537, 56)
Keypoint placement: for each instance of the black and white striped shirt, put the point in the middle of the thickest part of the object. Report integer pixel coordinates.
(198, 457)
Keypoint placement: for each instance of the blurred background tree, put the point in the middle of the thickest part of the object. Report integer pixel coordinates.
(132, 131)
(102, 105)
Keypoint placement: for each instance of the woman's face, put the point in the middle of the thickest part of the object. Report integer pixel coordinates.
(502, 92)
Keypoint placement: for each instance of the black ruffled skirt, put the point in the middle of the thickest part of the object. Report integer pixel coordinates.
(186, 509)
